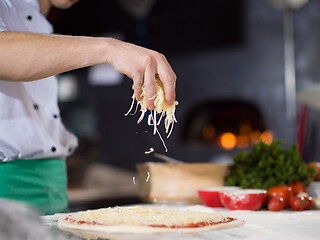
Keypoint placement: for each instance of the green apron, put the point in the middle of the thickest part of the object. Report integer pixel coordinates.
(41, 183)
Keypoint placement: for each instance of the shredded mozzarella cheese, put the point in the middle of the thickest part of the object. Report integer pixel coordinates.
(150, 151)
(145, 216)
(161, 108)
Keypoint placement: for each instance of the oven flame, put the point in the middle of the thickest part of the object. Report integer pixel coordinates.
(208, 132)
(245, 138)
(255, 136)
(267, 137)
(228, 140)
(243, 141)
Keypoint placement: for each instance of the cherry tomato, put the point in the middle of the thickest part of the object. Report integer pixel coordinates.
(276, 203)
(316, 166)
(307, 198)
(308, 203)
(297, 187)
(301, 202)
(281, 191)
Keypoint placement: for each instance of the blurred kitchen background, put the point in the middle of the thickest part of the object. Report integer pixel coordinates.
(230, 63)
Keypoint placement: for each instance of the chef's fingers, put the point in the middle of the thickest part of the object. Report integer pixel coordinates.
(150, 83)
(137, 85)
(168, 78)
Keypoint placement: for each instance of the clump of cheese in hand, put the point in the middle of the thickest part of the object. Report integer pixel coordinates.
(160, 107)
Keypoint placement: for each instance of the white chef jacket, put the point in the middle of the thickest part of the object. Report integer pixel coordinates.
(30, 124)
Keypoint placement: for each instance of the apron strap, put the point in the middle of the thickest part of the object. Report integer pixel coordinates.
(41, 183)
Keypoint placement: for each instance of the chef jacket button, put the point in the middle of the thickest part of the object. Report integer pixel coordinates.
(29, 17)
(53, 149)
(55, 116)
(36, 106)
(70, 150)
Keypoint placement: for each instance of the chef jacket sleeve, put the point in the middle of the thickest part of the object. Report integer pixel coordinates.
(2, 26)
(3, 15)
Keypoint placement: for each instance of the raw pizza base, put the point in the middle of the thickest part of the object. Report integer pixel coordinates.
(127, 228)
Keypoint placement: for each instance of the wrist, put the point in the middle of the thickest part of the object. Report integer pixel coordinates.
(109, 48)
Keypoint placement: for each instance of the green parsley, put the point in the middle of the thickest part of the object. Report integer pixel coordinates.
(267, 166)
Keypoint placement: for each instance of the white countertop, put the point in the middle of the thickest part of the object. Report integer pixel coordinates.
(262, 225)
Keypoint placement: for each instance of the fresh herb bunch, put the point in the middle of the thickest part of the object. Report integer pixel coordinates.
(267, 166)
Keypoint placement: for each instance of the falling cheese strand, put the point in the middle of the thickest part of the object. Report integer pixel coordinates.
(160, 107)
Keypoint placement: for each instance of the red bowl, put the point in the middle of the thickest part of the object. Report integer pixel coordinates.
(210, 196)
(246, 199)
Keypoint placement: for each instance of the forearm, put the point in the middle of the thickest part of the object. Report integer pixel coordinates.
(28, 56)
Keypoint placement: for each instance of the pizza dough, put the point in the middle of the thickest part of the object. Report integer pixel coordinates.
(146, 220)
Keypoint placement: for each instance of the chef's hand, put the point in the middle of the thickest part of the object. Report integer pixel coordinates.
(142, 65)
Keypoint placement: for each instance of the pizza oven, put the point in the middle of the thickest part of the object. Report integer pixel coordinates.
(226, 124)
